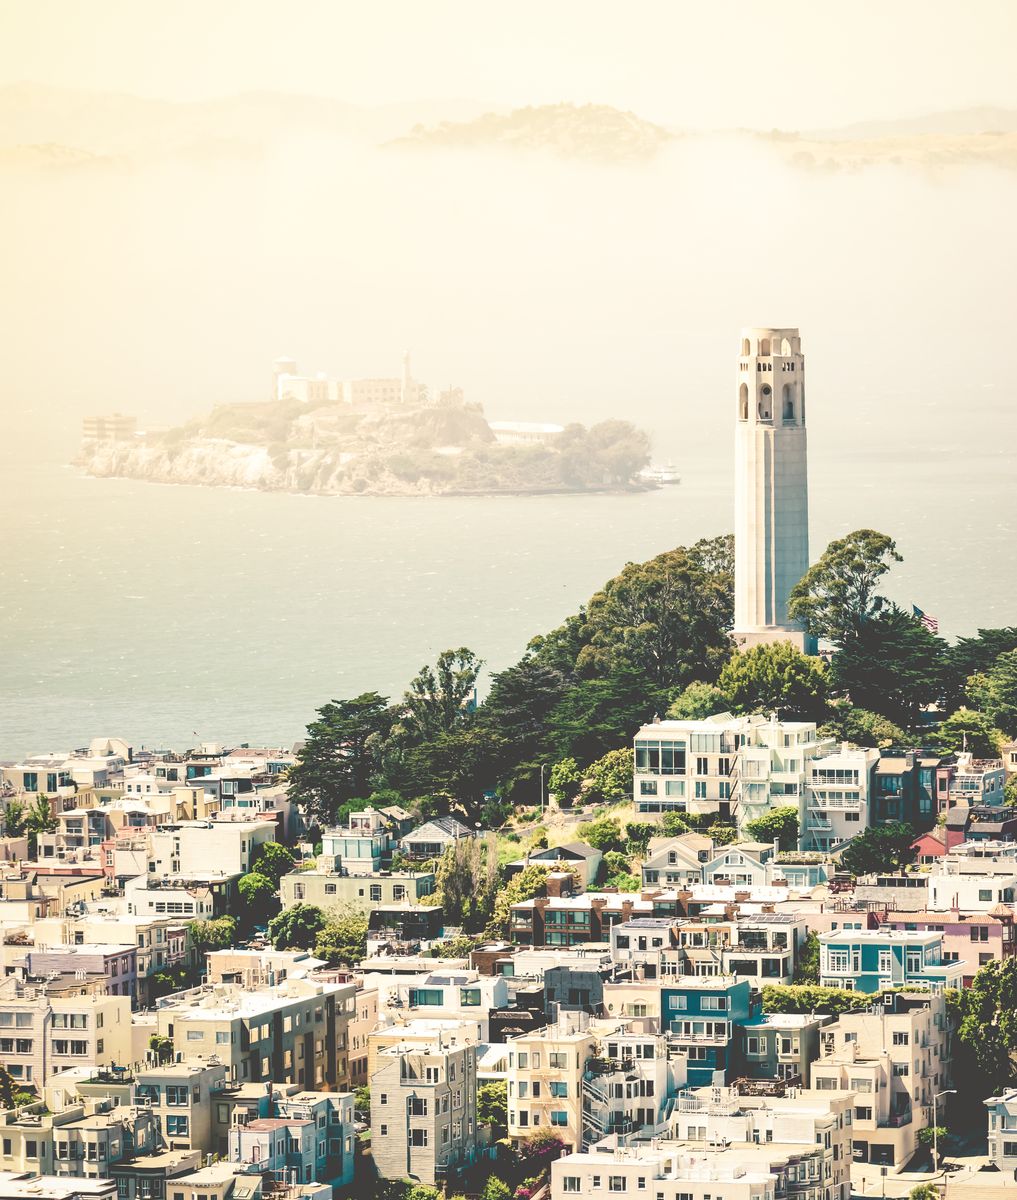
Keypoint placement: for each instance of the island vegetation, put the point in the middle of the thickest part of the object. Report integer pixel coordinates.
(423, 448)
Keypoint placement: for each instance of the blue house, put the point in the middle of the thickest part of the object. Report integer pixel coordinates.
(699, 1014)
(870, 960)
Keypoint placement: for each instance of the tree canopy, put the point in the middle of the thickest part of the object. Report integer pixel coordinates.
(836, 598)
(297, 928)
(778, 824)
(886, 847)
(340, 757)
(775, 676)
(995, 692)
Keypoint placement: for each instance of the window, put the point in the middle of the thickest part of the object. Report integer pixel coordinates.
(376, 891)
(176, 1094)
(384, 1130)
(700, 790)
(559, 1118)
(979, 933)
(616, 1183)
(418, 1137)
(984, 893)
(418, 1106)
(571, 1183)
(176, 1126)
(557, 1061)
(901, 1037)
(647, 787)
(559, 1091)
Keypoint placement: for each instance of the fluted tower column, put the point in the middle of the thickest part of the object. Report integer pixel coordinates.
(771, 486)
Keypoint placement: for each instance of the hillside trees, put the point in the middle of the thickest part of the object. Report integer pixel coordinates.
(341, 756)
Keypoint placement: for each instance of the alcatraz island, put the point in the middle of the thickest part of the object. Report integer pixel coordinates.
(369, 437)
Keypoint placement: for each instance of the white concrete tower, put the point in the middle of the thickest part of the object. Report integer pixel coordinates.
(771, 487)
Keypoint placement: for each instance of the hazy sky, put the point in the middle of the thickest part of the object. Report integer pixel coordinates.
(795, 64)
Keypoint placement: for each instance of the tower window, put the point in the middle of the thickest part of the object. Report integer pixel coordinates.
(743, 402)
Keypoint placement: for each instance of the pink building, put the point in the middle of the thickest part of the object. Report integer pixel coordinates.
(974, 939)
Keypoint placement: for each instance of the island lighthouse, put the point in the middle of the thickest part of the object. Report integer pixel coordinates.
(771, 487)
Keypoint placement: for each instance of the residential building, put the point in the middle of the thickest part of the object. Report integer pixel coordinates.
(871, 960)
(116, 964)
(362, 846)
(545, 1078)
(973, 939)
(1002, 1114)
(431, 839)
(208, 847)
(181, 1097)
(973, 883)
(779, 1045)
(211, 894)
(424, 1112)
(573, 856)
(836, 801)
(975, 782)
(775, 1118)
(897, 791)
(676, 862)
(295, 1032)
(325, 887)
(629, 1085)
(699, 1014)
(563, 921)
(671, 1170)
(725, 766)
(894, 1057)
(41, 1035)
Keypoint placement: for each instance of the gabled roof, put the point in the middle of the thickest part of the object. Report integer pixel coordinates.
(446, 826)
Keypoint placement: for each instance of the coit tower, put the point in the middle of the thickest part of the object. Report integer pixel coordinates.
(771, 487)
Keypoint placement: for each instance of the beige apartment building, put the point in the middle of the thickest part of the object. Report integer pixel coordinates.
(424, 1112)
(41, 1034)
(295, 1032)
(895, 1058)
(366, 892)
(545, 1078)
(83, 1139)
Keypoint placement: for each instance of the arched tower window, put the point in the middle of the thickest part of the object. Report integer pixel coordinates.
(789, 404)
(746, 347)
(764, 346)
(743, 402)
(765, 403)
(785, 347)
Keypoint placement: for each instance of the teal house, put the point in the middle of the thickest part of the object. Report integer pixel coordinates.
(871, 960)
(699, 1015)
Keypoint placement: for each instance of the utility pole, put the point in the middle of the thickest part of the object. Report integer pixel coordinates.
(542, 789)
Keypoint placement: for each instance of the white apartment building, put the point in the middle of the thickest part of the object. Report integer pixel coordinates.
(680, 1171)
(799, 1117)
(629, 1086)
(835, 800)
(208, 847)
(972, 883)
(726, 766)
(1002, 1112)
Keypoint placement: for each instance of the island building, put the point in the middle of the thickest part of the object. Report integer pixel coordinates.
(289, 384)
(771, 487)
(109, 427)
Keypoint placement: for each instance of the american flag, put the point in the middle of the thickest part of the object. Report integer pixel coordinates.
(929, 621)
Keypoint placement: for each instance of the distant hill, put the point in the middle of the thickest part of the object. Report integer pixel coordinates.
(957, 123)
(587, 131)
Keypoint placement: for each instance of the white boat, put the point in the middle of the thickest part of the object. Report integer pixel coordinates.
(660, 474)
